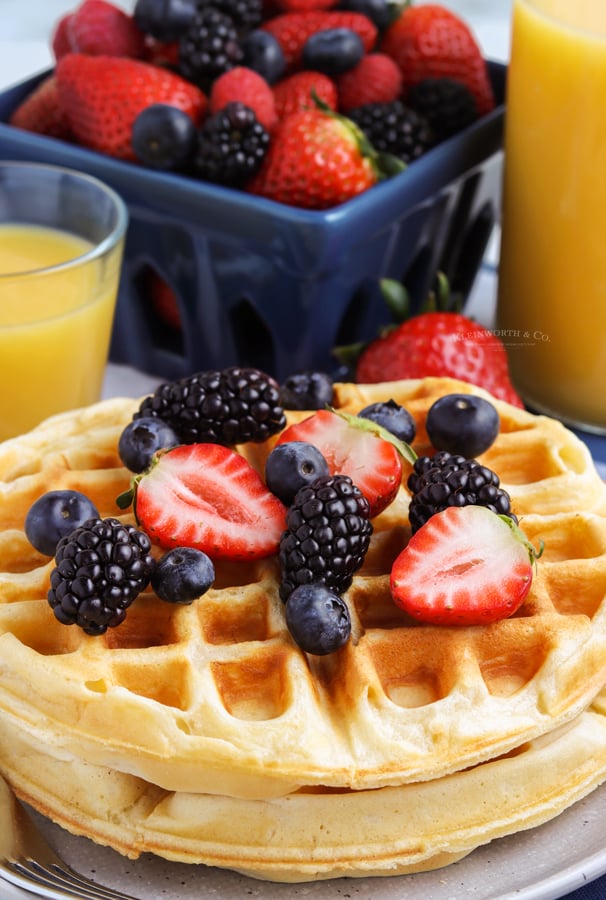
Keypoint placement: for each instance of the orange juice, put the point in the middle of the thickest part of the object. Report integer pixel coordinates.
(55, 323)
(552, 283)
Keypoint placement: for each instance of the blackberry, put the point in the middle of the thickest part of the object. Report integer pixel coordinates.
(327, 535)
(208, 47)
(394, 128)
(447, 479)
(228, 406)
(245, 14)
(100, 568)
(448, 105)
(231, 146)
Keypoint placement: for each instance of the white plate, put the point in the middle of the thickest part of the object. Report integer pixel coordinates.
(541, 864)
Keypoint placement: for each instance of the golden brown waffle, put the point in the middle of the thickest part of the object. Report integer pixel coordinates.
(216, 697)
(316, 834)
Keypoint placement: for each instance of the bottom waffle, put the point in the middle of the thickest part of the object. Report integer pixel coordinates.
(317, 834)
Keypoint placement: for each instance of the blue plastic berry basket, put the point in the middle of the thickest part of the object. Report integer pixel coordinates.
(259, 283)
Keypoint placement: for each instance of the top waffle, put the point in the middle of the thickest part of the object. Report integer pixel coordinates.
(216, 697)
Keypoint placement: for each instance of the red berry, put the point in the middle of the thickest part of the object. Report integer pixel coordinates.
(373, 464)
(465, 566)
(291, 30)
(100, 28)
(430, 41)
(440, 344)
(103, 95)
(245, 86)
(209, 497)
(41, 112)
(314, 161)
(376, 79)
(294, 92)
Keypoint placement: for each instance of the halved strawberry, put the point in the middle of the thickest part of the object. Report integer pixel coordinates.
(465, 566)
(209, 497)
(353, 448)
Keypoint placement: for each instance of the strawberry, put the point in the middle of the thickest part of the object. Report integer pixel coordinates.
(430, 41)
(316, 160)
(291, 30)
(376, 79)
(444, 344)
(61, 37)
(100, 28)
(163, 300)
(465, 566)
(103, 95)
(209, 497)
(246, 86)
(294, 93)
(355, 447)
(42, 113)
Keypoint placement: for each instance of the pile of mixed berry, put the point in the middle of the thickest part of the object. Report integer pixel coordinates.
(307, 102)
(197, 499)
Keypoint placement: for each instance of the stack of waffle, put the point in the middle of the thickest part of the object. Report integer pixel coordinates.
(203, 734)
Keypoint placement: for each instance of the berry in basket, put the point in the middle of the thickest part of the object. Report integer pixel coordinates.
(199, 57)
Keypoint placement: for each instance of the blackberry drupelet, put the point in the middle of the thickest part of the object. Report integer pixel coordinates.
(327, 535)
(228, 406)
(448, 105)
(100, 568)
(230, 147)
(209, 47)
(394, 128)
(446, 479)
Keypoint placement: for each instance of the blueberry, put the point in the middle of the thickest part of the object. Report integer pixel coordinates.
(332, 51)
(263, 54)
(292, 465)
(393, 417)
(381, 12)
(163, 137)
(307, 390)
(318, 619)
(182, 575)
(165, 20)
(55, 515)
(462, 424)
(141, 439)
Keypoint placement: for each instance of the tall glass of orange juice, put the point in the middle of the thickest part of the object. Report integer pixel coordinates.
(551, 308)
(61, 244)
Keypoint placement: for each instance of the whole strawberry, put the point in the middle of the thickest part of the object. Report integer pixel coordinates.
(430, 41)
(440, 344)
(103, 95)
(41, 112)
(292, 29)
(317, 159)
(101, 28)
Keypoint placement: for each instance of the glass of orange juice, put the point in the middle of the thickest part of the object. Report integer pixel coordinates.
(61, 244)
(551, 309)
